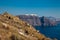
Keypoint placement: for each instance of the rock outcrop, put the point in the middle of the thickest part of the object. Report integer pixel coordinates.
(13, 28)
(33, 20)
(45, 21)
(38, 21)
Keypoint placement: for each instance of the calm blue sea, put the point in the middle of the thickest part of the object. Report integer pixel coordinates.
(52, 32)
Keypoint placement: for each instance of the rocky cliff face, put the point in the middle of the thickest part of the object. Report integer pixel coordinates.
(45, 21)
(13, 28)
(33, 20)
(38, 21)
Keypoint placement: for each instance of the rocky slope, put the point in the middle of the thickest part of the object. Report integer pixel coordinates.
(38, 21)
(13, 28)
(45, 21)
(33, 20)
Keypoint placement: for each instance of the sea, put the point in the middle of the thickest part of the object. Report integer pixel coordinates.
(50, 31)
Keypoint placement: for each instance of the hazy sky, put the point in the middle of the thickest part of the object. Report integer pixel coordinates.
(39, 7)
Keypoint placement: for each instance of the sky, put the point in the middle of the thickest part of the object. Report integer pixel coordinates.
(39, 7)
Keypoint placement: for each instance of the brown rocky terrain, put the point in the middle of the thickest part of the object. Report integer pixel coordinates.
(13, 28)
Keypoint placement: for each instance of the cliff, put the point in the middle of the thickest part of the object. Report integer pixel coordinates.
(38, 21)
(46, 21)
(13, 28)
(32, 20)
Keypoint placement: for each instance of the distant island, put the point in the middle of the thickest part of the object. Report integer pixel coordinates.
(39, 21)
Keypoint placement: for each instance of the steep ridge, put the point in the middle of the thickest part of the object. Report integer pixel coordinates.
(32, 20)
(13, 28)
(38, 21)
(45, 21)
